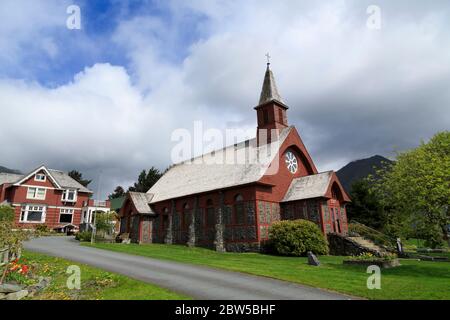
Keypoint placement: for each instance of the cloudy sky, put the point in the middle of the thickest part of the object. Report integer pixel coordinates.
(105, 99)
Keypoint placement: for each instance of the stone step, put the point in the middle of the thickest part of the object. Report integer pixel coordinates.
(368, 244)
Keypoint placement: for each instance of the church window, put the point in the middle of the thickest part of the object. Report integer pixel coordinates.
(239, 216)
(186, 217)
(165, 218)
(291, 162)
(280, 115)
(210, 214)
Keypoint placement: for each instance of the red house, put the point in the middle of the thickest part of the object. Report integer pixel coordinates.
(205, 202)
(44, 196)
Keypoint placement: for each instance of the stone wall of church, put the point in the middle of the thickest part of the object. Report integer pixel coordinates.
(238, 221)
(268, 213)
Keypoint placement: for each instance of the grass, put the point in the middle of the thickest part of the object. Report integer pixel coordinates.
(413, 280)
(413, 244)
(96, 284)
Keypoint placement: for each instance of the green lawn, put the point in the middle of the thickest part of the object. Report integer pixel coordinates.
(96, 284)
(412, 280)
(413, 244)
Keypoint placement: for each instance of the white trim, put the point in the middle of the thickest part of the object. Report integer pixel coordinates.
(37, 186)
(43, 168)
(40, 204)
(72, 208)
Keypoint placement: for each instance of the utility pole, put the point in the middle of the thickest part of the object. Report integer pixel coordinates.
(94, 225)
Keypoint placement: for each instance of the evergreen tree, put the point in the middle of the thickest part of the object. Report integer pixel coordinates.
(118, 192)
(78, 176)
(365, 207)
(146, 180)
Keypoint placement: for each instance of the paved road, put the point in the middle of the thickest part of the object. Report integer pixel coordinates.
(195, 281)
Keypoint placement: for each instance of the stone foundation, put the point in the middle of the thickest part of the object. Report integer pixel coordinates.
(243, 247)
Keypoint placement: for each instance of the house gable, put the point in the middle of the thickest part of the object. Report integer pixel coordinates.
(29, 179)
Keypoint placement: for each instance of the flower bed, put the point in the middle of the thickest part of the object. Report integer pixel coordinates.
(20, 281)
(381, 263)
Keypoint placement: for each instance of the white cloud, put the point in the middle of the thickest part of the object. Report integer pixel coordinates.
(338, 76)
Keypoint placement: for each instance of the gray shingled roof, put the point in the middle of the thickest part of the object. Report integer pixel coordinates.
(141, 202)
(63, 179)
(192, 178)
(9, 177)
(269, 90)
(308, 187)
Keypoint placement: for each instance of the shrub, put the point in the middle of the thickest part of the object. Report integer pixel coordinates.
(10, 239)
(6, 214)
(105, 222)
(296, 238)
(84, 236)
(42, 228)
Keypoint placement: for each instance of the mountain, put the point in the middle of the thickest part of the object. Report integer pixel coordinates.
(360, 169)
(6, 170)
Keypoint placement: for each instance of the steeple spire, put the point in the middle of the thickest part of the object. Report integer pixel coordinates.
(271, 110)
(269, 90)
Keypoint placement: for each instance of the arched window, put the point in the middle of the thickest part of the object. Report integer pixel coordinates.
(239, 212)
(210, 213)
(336, 192)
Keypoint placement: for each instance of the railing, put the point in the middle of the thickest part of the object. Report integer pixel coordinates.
(4, 256)
(99, 203)
(376, 236)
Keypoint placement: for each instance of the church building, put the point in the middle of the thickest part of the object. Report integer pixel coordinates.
(230, 207)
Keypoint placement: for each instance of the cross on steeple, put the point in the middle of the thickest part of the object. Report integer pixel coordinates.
(268, 58)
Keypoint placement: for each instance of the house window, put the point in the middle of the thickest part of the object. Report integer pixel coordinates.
(69, 196)
(30, 213)
(65, 215)
(239, 210)
(40, 177)
(36, 193)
